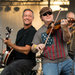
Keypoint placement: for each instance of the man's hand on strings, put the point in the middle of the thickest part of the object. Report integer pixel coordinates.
(8, 42)
(4, 50)
(52, 25)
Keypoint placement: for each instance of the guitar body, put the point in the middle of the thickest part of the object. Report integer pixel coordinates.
(7, 58)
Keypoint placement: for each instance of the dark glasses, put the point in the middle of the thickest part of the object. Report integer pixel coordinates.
(69, 18)
(45, 14)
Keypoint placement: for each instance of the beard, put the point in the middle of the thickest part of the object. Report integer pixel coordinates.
(27, 24)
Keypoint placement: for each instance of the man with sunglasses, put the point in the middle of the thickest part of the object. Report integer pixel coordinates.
(55, 57)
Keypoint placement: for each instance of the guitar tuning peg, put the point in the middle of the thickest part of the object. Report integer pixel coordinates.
(9, 29)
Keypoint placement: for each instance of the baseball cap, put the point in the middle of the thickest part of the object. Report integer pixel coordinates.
(44, 10)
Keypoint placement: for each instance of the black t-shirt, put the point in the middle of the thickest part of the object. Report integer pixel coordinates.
(25, 37)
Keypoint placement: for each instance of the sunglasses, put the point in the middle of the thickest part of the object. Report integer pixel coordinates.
(45, 14)
(69, 18)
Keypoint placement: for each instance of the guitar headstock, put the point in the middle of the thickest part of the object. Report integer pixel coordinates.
(8, 32)
(8, 36)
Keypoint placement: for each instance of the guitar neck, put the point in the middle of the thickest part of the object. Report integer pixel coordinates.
(8, 48)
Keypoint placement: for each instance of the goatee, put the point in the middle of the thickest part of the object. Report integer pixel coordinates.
(27, 24)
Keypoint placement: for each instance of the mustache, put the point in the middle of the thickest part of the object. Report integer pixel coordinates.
(26, 19)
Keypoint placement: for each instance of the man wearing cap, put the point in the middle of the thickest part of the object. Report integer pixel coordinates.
(55, 57)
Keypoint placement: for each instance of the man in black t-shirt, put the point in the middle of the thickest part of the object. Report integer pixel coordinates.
(24, 59)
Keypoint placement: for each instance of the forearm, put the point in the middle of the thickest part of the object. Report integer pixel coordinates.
(22, 49)
(66, 34)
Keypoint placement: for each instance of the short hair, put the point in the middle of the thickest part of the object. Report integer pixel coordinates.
(69, 13)
(28, 10)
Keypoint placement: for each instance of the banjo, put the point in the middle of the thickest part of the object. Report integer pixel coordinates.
(7, 56)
